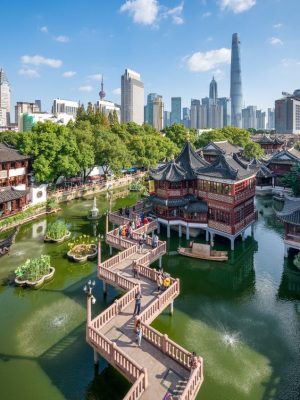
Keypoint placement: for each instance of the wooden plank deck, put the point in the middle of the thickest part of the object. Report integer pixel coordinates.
(159, 365)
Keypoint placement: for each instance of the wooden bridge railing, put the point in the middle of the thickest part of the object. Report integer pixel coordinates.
(108, 349)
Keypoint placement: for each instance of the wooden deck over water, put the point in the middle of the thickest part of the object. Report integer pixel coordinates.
(159, 365)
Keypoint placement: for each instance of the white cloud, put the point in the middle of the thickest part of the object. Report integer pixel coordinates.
(44, 29)
(219, 74)
(209, 38)
(237, 6)
(206, 14)
(274, 41)
(86, 88)
(117, 91)
(62, 39)
(142, 11)
(174, 14)
(29, 73)
(95, 77)
(69, 74)
(289, 62)
(201, 62)
(277, 26)
(40, 60)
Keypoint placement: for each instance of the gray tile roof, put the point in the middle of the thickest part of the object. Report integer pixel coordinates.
(221, 147)
(8, 194)
(10, 154)
(262, 171)
(290, 212)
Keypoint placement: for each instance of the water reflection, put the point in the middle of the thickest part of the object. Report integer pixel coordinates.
(290, 281)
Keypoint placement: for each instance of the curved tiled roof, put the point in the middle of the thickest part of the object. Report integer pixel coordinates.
(9, 193)
(169, 172)
(290, 212)
(262, 170)
(10, 154)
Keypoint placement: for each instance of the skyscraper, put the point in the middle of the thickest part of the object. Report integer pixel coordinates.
(154, 111)
(249, 119)
(167, 118)
(4, 99)
(195, 104)
(132, 97)
(186, 117)
(287, 113)
(271, 119)
(236, 83)
(225, 103)
(175, 110)
(213, 91)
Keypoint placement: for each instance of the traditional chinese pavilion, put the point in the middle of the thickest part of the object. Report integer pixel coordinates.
(212, 150)
(217, 198)
(282, 162)
(290, 215)
(264, 176)
(13, 180)
(270, 145)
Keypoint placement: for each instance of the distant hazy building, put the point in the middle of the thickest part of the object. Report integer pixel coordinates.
(186, 117)
(39, 105)
(105, 106)
(132, 97)
(175, 110)
(260, 120)
(271, 119)
(215, 116)
(236, 83)
(202, 117)
(167, 119)
(158, 113)
(249, 117)
(5, 93)
(23, 107)
(148, 109)
(287, 113)
(225, 103)
(68, 107)
(213, 91)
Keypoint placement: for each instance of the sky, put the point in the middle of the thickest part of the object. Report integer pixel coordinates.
(62, 48)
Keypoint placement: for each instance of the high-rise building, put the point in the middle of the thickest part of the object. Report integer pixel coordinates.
(260, 120)
(287, 113)
(23, 107)
(167, 119)
(236, 83)
(202, 116)
(5, 93)
(195, 104)
(225, 103)
(213, 91)
(271, 119)
(175, 110)
(249, 117)
(68, 107)
(158, 113)
(132, 97)
(148, 109)
(215, 116)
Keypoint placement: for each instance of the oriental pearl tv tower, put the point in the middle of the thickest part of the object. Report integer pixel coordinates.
(236, 83)
(102, 94)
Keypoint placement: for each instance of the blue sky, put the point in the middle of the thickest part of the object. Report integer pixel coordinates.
(61, 48)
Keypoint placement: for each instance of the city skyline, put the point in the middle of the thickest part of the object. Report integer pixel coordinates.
(132, 35)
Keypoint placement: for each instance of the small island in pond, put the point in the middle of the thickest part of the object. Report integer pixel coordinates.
(34, 272)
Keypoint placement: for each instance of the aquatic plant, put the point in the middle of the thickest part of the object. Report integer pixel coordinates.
(57, 230)
(34, 269)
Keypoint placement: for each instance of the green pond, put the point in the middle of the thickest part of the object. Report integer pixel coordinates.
(242, 316)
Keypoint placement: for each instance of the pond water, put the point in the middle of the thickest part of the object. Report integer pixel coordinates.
(242, 316)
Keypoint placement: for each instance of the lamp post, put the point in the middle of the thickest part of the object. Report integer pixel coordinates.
(100, 238)
(88, 289)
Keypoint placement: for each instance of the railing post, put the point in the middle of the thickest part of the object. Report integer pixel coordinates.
(99, 253)
(145, 377)
(112, 355)
(164, 340)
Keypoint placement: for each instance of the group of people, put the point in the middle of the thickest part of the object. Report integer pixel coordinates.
(163, 280)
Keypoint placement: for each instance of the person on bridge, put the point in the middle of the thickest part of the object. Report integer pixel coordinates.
(138, 301)
(159, 281)
(193, 362)
(141, 244)
(139, 332)
(154, 241)
(136, 269)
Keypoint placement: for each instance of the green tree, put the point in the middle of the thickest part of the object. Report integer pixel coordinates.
(292, 179)
(9, 137)
(178, 134)
(253, 150)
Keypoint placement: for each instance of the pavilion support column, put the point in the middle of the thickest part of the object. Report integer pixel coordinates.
(252, 229)
(179, 231)
(172, 307)
(158, 227)
(212, 237)
(207, 235)
(160, 262)
(273, 183)
(232, 243)
(104, 288)
(96, 363)
(187, 232)
(168, 231)
(286, 250)
(243, 236)
(110, 250)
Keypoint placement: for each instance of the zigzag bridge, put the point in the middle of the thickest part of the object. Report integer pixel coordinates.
(160, 365)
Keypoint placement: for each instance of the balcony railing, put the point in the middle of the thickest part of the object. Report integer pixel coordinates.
(166, 193)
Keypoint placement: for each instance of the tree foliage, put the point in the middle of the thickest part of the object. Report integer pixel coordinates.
(292, 179)
(253, 150)
(178, 134)
(237, 136)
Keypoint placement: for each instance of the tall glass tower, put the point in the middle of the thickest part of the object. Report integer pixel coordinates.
(213, 91)
(236, 82)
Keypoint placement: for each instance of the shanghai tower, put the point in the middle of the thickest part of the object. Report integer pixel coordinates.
(236, 83)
